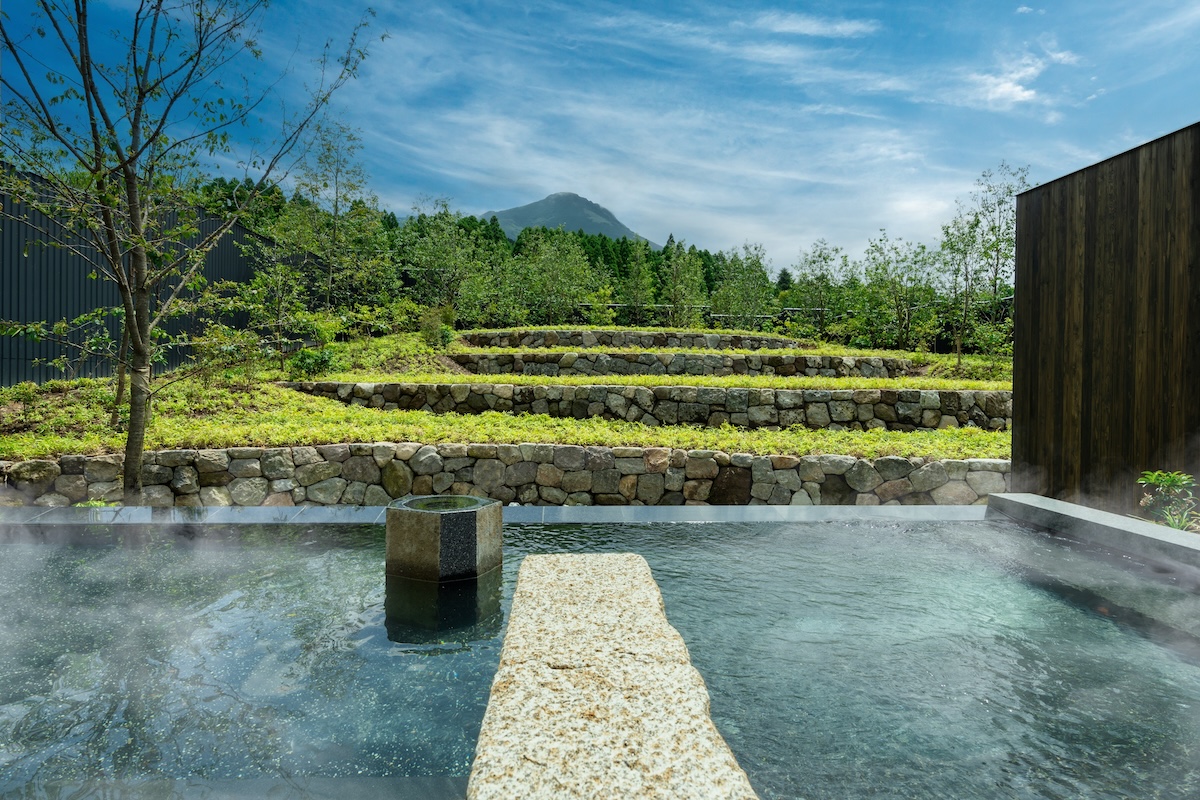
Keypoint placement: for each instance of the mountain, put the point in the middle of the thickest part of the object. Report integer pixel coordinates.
(570, 211)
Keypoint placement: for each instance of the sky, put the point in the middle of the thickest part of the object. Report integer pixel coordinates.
(723, 123)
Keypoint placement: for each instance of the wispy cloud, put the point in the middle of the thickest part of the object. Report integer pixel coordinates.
(723, 124)
(805, 25)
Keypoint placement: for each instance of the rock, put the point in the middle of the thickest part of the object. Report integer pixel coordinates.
(650, 488)
(376, 496)
(56, 500)
(177, 458)
(362, 469)
(215, 496)
(928, 477)
(103, 469)
(835, 465)
(396, 479)
(489, 473)
(700, 468)
(277, 464)
(73, 487)
(570, 457)
(157, 496)
(891, 468)
(211, 461)
(426, 461)
(186, 480)
(327, 492)
(985, 483)
(35, 476)
(248, 491)
(731, 487)
(245, 467)
(863, 477)
(954, 493)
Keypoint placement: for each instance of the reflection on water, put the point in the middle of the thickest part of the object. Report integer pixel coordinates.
(169, 658)
(844, 660)
(426, 610)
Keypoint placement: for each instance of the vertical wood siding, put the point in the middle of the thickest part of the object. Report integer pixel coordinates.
(1106, 378)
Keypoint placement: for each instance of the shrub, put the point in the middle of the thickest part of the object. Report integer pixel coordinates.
(309, 363)
(1169, 499)
(437, 327)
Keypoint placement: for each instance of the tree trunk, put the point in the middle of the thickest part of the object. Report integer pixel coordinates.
(122, 358)
(139, 386)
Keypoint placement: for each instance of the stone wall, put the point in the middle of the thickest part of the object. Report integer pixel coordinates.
(374, 474)
(627, 338)
(602, 363)
(838, 409)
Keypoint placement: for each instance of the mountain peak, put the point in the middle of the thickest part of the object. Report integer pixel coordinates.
(566, 210)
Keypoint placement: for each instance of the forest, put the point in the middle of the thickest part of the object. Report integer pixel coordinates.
(331, 262)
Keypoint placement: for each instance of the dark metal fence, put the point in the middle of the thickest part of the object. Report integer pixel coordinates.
(39, 282)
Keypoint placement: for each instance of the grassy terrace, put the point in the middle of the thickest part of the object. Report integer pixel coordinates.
(243, 408)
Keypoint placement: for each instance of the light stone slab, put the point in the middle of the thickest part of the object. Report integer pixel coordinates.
(596, 695)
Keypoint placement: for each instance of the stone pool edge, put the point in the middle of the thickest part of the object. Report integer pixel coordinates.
(1127, 535)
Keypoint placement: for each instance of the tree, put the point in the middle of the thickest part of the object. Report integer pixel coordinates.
(959, 259)
(637, 287)
(898, 311)
(556, 274)
(819, 288)
(681, 284)
(341, 224)
(115, 146)
(745, 294)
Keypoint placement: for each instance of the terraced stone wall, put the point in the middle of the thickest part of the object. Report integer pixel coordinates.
(373, 474)
(839, 409)
(627, 338)
(720, 364)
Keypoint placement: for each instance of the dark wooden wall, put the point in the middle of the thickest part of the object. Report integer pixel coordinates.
(1106, 377)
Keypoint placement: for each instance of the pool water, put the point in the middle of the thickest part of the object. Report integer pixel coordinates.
(880, 659)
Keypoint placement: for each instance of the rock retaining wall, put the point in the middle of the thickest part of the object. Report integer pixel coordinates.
(601, 363)
(838, 409)
(627, 338)
(374, 474)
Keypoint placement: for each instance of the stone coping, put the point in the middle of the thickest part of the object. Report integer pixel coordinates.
(120, 516)
(1129, 535)
(596, 695)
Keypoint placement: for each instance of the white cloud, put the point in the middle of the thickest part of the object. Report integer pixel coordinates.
(805, 25)
(1024, 10)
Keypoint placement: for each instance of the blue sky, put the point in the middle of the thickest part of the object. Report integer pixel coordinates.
(722, 123)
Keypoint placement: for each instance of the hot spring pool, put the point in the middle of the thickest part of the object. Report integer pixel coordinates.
(844, 659)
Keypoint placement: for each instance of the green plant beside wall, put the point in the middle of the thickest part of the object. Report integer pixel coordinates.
(1169, 499)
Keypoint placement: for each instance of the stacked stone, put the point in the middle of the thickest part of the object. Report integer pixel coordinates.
(626, 338)
(837, 409)
(718, 364)
(373, 474)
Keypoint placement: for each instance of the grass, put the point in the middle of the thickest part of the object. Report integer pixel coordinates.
(726, 381)
(243, 408)
(197, 413)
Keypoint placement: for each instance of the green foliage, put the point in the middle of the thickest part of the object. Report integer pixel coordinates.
(681, 284)
(597, 308)
(435, 331)
(636, 290)
(1169, 499)
(745, 297)
(192, 414)
(556, 275)
(306, 364)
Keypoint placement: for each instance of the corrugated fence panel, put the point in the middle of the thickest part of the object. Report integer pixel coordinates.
(1106, 356)
(44, 283)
